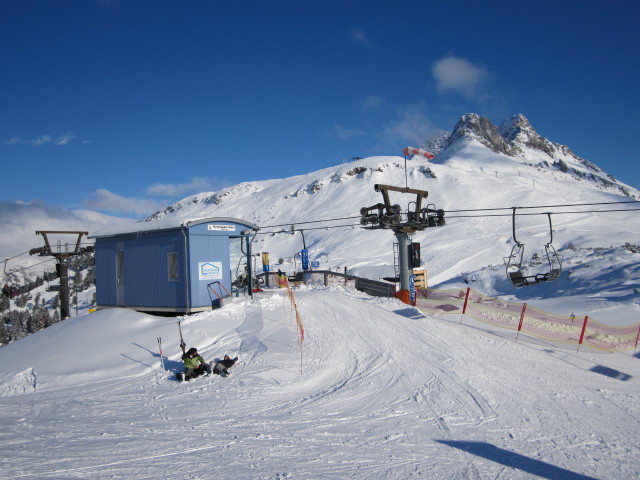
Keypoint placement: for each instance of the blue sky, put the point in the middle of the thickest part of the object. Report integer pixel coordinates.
(124, 106)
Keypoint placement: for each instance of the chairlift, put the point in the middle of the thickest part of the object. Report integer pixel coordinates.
(514, 261)
(431, 215)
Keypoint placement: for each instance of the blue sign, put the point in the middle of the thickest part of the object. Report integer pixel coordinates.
(304, 253)
(315, 264)
(412, 289)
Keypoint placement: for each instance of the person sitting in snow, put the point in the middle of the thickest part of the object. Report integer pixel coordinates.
(221, 366)
(194, 364)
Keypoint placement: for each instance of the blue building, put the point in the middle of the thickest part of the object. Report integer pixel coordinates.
(162, 267)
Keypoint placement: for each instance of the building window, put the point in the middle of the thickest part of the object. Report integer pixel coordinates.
(120, 267)
(172, 266)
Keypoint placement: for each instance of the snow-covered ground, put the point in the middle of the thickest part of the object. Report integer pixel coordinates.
(377, 391)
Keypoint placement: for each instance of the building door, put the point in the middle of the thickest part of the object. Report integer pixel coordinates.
(120, 278)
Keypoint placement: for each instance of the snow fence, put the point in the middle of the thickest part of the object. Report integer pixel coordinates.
(521, 317)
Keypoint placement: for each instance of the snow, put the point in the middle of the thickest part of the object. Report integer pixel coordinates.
(377, 390)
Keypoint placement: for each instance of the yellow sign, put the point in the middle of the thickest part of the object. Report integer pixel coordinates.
(420, 278)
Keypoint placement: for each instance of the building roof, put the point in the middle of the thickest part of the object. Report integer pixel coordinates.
(170, 223)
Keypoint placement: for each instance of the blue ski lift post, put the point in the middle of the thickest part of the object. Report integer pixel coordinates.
(514, 261)
(216, 302)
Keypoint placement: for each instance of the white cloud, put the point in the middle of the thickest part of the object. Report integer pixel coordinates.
(344, 133)
(197, 185)
(412, 126)
(20, 221)
(105, 200)
(360, 37)
(458, 75)
(43, 139)
(65, 139)
(372, 102)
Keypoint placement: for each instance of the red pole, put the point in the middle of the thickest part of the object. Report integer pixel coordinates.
(466, 299)
(524, 309)
(637, 337)
(464, 307)
(584, 327)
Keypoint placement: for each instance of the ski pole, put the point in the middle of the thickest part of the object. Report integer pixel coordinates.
(160, 348)
(182, 344)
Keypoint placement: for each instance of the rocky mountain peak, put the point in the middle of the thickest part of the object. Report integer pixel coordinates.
(518, 129)
(472, 125)
(516, 137)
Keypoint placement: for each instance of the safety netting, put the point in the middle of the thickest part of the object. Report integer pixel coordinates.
(523, 318)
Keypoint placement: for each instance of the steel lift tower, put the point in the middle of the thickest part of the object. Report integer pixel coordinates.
(404, 224)
(62, 258)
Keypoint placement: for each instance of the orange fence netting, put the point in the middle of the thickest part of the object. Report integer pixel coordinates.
(283, 282)
(521, 317)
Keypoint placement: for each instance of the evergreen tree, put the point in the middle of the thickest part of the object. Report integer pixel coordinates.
(4, 303)
(21, 301)
(78, 280)
(42, 313)
(48, 321)
(5, 333)
(89, 279)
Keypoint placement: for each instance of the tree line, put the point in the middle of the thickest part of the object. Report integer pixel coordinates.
(28, 312)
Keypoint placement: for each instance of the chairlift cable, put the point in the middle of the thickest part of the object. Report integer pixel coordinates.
(545, 206)
(544, 213)
(480, 210)
(260, 232)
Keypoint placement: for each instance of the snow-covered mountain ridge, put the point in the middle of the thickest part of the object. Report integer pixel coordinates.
(481, 166)
(515, 139)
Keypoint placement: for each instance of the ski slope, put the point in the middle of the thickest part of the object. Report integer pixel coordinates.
(377, 391)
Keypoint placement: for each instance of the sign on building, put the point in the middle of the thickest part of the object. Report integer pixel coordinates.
(210, 271)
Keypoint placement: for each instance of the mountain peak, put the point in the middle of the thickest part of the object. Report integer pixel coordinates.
(518, 129)
(517, 138)
(472, 125)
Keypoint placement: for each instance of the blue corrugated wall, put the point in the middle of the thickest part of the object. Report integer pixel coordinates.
(146, 270)
(147, 283)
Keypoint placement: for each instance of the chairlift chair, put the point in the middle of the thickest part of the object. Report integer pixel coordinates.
(514, 261)
(430, 215)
